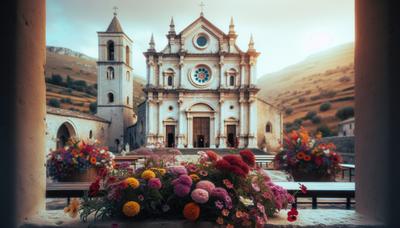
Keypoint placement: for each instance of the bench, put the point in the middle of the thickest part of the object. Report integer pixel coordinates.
(264, 159)
(349, 167)
(317, 190)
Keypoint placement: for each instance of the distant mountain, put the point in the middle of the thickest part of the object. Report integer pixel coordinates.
(324, 77)
(77, 67)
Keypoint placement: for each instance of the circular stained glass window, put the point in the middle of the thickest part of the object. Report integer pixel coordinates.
(201, 41)
(201, 75)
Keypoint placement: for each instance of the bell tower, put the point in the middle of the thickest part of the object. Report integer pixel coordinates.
(115, 84)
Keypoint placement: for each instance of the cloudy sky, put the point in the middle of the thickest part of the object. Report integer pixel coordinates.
(285, 31)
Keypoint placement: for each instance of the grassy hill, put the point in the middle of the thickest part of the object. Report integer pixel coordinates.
(325, 77)
(77, 88)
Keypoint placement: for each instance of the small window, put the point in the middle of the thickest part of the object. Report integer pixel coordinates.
(169, 80)
(268, 128)
(231, 107)
(110, 97)
(232, 80)
(110, 50)
(128, 76)
(110, 73)
(127, 100)
(127, 55)
(201, 41)
(90, 134)
(170, 108)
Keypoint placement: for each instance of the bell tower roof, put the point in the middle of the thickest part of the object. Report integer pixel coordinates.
(115, 26)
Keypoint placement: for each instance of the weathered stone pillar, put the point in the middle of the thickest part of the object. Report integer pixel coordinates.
(30, 107)
(242, 121)
(252, 122)
(212, 131)
(190, 131)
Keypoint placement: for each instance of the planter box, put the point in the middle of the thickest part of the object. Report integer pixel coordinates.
(86, 176)
(311, 177)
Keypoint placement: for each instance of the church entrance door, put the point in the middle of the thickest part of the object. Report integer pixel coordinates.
(170, 133)
(231, 133)
(201, 131)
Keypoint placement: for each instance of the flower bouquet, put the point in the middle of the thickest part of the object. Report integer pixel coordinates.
(228, 190)
(79, 161)
(305, 160)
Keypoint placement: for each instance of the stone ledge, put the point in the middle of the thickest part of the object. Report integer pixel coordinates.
(307, 218)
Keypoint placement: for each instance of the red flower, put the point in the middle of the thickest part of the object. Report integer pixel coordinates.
(94, 187)
(292, 214)
(303, 188)
(234, 164)
(102, 172)
(318, 161)
(212, 155)
(248, 157)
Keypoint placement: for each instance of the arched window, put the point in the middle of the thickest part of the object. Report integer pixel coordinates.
(110, 73)
(170, 80)
(127, 100)
(90, 134)
(127, 55)
(128, 76)
(232, 80)
(268, 128)
(110, 50)
(110, 97)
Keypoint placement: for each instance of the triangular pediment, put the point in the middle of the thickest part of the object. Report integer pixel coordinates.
(206, 25)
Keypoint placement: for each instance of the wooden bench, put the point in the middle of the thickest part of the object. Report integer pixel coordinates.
(349, 167)
(317, 190)
(265, 159)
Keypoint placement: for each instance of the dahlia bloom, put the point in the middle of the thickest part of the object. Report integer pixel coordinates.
(222, 194)
(154, 183)
(191, 211)
(234, 164)
(184, 180)
(131, 208)
(181, 190)
(199, 195)
(205, 185)
(148, 174)
(248, 157)
(178, 170)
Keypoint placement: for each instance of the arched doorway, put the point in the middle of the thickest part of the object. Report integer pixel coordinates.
(201, 126)
(64, 133)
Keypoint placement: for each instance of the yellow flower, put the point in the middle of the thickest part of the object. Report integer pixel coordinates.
(131, 208)
(194, 177)
(133, 182)
(148, 174)
(72, 208)
(160, 170)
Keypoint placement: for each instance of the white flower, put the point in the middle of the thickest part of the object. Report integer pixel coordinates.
(326, 151)
(246, 201)
(102, 151)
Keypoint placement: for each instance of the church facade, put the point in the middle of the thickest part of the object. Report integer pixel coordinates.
(201, 92)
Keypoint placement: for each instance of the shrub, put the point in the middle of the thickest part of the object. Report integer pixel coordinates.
(325, 131)
(310, 115)
(298, 121)
(292, 126)
(56, 79)
(345, 113)
(66, 100)
(316, 119)
(325, 106)
(93, 107)
(54, 103)
(288, 111)
(80, 83)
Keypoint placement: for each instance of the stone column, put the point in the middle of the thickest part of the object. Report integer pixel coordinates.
(160, 80)
(29, 110)
(212, 131)
(221, 123)
(242, 121)
(252, 122)
(190, 130)
(180, 124)
(151, 71)
(221, 72)
(181, 63)
(160, 132)
(242, 72)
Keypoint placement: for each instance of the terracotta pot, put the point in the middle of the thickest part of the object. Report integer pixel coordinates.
(312, 177)
(87, 176)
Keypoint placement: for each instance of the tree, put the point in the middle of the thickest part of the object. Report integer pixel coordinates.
(316, 119)
(56, 79)
(93, 107)
(70, 82)
(325, 131)
(310, 115)
(54, 103)
(345, 113)
(325, 106)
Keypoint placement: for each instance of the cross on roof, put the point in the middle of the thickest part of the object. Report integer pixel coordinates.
(202, 8)
(115, 10)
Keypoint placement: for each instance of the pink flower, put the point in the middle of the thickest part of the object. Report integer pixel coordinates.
(267, 195)
(227, 183)
(140, 197)
(181, 190)
(154, 183)
(203, 173)
(255, 186)
(219, 204)
(191, 168)
(225, 212)
(184, 180)
(199, 195)
(177, 170)
(206, 185)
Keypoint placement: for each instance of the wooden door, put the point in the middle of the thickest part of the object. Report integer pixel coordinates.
(231, 133)
(170, 135)
(201, 131)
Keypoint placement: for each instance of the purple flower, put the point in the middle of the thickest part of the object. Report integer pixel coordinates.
(222, 194)
(154, 183)
(199, 195)
(178, 170)
(206, 185)
(184, 180)
(181, 190)
(219, 204)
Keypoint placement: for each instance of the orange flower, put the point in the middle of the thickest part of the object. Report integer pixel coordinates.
(93, 160)
(191, 211)
(220, 220)
(307, 158)
(300, 155)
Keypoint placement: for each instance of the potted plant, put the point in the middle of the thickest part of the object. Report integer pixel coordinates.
(79, 161)
(306, 160)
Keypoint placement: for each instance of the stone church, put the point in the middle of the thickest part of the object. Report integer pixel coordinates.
(201, 92)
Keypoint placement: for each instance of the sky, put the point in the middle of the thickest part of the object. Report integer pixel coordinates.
(284, 31)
